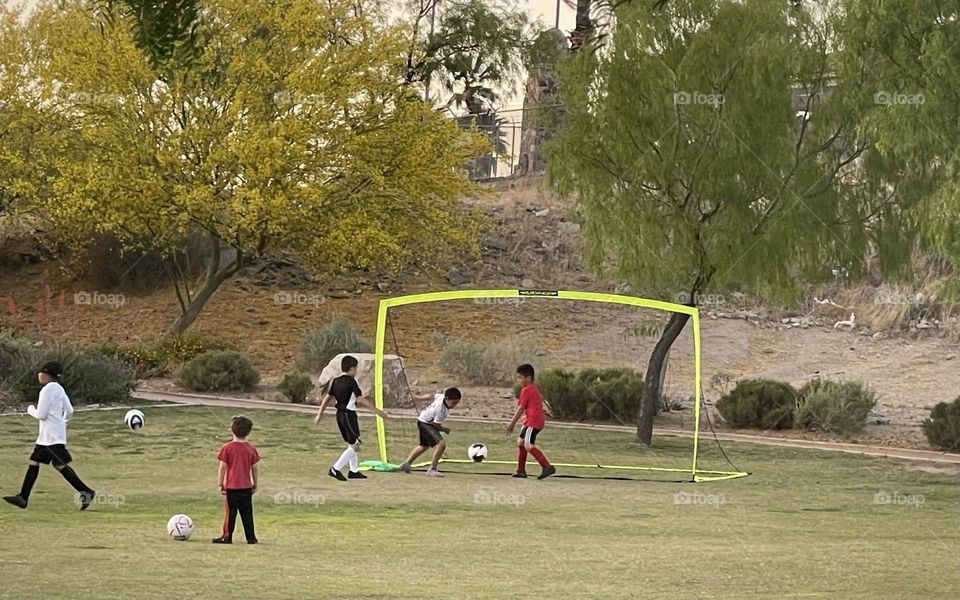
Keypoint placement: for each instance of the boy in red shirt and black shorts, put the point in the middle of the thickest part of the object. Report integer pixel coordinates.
(530, 406)
(238, 480)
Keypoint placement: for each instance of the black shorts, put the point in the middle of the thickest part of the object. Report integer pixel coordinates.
(529, 435)
(56, 454)
(429, 435)
(349, 426)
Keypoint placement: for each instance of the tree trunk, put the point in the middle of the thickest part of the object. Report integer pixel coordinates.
(214, 278)
(583, 30)
(652, 381)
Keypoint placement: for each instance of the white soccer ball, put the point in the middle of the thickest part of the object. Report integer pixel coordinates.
(477, 452)
(133, 419)
(180, 527)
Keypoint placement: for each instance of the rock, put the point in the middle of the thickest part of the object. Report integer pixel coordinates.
(784, 320)
(340, 294)
(950, 357)
(261, 322)
(528, 283)
(395, 391)
(542, 352)
(541, 213)
(383, 287)
(882, 420)
(878, 335)
(457, 278)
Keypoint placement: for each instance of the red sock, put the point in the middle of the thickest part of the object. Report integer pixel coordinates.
(535, 452)
(521, 460)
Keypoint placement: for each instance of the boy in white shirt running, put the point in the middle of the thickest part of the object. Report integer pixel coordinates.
(430, 424)
(53, 410)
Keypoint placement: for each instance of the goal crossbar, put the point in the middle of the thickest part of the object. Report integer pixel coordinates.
(388, 303)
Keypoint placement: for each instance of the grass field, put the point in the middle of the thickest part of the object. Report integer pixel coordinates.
(803, 525)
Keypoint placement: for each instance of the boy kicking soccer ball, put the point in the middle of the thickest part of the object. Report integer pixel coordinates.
(430, 424)
(345, 392)
(53, 410)
(238, 480)
(530, 406)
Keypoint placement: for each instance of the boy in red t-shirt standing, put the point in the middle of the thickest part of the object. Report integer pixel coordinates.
(238, 480)
(530, 406)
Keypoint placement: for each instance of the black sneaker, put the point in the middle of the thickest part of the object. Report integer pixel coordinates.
(519, 475)
(86, 498)
(547, 472)
(336, 474)
(253, 541)
(17, 501)
(222, 540)
(356, 475)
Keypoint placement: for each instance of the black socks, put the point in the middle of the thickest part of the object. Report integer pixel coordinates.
(73, 479)
(30, 478)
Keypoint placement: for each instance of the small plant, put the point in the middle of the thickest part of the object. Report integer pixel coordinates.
(591, 394)
(295, 386)
(88, 377)
(836, 407)
(176, 349)
(477, 363)
(319, 346)
(759, 403)
(219, 371)
(942, 427)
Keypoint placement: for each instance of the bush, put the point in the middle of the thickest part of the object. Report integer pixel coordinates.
(942, 428)
(176, 349)
(591, 394)
(219, 370)
(88, 377)
(837, 407)
(144, 361)
(477, 363)
(759, 403)
(163, 358)
(295, 386)
(320, 345)
(13, 352)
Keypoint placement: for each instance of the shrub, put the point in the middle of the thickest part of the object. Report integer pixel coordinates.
(13, 351)
(759, 403)
(942, 428)
(837, 407)
(295, 386)
(88, 377)
(219, 370)
(176, 349)
(320, 345)
(476, 363)
(591, 394)
(144, 361)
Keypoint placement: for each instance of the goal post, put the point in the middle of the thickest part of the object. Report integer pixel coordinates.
(388, 303)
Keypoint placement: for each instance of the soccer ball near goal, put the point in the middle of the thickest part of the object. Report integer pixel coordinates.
(477, 452)
(133, 419)
(180, 527)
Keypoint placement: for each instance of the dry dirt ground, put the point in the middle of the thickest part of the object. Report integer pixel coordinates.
(532, 243)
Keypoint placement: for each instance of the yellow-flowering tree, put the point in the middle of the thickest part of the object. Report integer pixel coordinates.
(294, 129)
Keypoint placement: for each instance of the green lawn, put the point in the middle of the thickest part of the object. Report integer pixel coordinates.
(803, 525)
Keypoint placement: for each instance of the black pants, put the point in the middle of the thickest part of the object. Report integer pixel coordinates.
(239, 501)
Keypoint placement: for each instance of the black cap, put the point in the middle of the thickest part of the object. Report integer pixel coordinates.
(52, 368)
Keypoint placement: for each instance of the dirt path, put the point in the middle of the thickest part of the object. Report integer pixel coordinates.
(945, 462)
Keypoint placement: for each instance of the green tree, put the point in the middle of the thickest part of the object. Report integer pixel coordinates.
(702, 157)
(166, 31)
(293, 130)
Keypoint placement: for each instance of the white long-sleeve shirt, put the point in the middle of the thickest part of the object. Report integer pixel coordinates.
(436, 412)
(52, 410)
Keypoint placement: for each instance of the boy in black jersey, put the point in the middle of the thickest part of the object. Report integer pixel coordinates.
(345, 392)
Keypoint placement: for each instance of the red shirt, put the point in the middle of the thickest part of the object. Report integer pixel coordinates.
(532, 403)
(240, 458)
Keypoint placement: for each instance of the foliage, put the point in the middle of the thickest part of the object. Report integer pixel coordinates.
(760, 404)
(144, 362)
(166, 31)
(157, 360)
(590, 395)
(295, 386)
(292, 117)
(942, 427)
(88, 377)
(836, 407)
(320, 345)
(478, 363)
(219, 371)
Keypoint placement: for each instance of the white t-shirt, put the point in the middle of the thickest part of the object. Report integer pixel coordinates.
(436, 412)
(52, 410)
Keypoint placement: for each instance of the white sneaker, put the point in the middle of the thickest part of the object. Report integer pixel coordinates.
(434, 473)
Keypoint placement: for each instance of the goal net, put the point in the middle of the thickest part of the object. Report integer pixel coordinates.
(576, 348)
